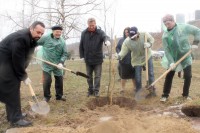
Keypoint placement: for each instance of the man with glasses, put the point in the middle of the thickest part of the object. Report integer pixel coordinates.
(176, 44)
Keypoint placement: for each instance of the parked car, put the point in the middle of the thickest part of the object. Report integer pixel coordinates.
(158, 54)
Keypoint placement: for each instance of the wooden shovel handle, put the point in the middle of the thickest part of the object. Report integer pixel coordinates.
(166, 72)
(146, 60)
(31, 90)
(33, 93)
(50, 63)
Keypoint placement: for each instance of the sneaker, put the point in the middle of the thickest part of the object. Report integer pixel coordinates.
(61, 99)
(163, 99)
(188, 98)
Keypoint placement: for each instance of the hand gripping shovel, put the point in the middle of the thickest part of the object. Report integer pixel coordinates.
(166, 72)
(77, 73)
(42, 107)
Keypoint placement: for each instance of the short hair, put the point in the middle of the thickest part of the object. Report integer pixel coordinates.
(91, 20)
(34, 24)
(168, 17)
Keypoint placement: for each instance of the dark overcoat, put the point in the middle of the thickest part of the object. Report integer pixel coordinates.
(91, 45)
(15, 54)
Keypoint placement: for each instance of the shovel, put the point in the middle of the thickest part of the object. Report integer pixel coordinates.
(42, 107)
(166, 72)
(77, 73)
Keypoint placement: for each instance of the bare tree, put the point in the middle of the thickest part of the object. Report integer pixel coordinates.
(66, 13)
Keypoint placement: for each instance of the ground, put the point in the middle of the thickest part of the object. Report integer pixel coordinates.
(80, 114)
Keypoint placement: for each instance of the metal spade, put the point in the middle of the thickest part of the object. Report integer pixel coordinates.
(42, 107)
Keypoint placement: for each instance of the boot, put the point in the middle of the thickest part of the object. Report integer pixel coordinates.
(152, 92)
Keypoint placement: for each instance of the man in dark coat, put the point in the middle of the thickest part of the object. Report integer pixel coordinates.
(91, 43)
(15, 54)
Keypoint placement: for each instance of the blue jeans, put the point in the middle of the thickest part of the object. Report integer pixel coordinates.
(97, 77)
(138, 74)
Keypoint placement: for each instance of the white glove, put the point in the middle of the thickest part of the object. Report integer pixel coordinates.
(147, 45)
(194, 46)
(60, 66)
(107, 43)
(27, 81)
(172, 66)
(117, 57)
(82, 60)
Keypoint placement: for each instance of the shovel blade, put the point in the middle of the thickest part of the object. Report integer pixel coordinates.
(41, 108)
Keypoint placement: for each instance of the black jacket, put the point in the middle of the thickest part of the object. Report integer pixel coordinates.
(15, 53)
(91, 45)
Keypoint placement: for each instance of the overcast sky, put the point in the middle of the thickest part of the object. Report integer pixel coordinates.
(145, 14)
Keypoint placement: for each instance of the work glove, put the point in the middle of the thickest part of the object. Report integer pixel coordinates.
(147, 45)
(117, 57)
(27, 81)
(194, 46)
(172, 66)
(60, 66)
(82, 59)
(107, 43)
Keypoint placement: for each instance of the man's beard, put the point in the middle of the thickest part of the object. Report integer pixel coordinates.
(36, 38)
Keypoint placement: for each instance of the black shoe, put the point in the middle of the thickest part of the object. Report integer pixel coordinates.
(62, 99)
(90, 93)
(22, 123)
(96, 94)
(46, 99)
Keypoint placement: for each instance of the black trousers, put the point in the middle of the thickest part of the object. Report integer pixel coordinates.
(187, 81)
(13, 104)
(47, 85)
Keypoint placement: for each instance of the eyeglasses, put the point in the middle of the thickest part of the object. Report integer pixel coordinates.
(165, 21)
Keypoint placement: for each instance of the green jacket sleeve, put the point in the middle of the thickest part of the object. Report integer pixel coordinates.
(124, 50)
(192, 30)
(150, 39)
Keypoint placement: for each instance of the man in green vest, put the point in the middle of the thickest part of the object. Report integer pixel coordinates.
(54, 51)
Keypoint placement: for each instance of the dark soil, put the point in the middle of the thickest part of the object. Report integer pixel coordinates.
(120, 101)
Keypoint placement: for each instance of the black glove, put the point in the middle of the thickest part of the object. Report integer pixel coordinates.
(144, 68)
